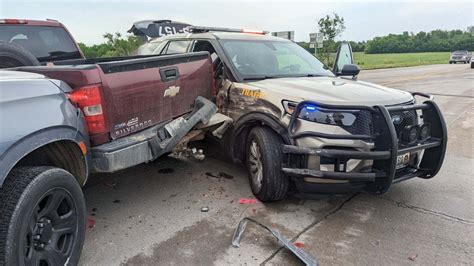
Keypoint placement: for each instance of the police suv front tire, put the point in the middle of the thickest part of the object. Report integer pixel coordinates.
(264, 159)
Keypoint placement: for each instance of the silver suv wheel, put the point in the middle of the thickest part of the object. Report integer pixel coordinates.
(256, 167)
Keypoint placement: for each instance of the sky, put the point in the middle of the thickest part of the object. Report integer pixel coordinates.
(89, 20)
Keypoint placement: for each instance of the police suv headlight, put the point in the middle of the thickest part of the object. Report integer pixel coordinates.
(424, 131)
(410, 134)
(314, 113)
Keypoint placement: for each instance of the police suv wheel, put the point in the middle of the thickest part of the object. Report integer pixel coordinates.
(263, 159)
(42, 219)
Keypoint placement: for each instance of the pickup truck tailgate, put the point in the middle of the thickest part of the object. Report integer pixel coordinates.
(143, 92)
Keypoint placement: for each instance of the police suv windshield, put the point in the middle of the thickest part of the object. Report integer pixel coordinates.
(262, 59)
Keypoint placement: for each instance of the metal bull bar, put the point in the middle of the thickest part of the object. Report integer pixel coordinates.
(386, 146)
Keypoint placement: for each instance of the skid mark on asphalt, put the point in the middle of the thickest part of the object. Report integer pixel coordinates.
(427, 211)
(418, 77)
(389, 236)
(315, 223)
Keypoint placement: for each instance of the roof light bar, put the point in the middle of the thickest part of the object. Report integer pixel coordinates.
(12, 21)
(197, 29)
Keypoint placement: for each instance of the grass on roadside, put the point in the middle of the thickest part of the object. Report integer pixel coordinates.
(374, 61)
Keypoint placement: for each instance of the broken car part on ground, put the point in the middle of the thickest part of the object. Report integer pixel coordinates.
(300, 253)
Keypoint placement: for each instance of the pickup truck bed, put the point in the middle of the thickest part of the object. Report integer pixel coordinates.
(136, 92)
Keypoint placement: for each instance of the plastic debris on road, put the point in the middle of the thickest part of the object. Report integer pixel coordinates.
(90, 222)
(110, 184)
(247, 201)
(412, 257)
(299, 244)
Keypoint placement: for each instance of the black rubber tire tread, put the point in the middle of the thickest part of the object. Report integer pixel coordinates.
(275, 182)
(15, 189)
(13, 55)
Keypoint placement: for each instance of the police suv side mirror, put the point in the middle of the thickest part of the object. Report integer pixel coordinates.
(344, 64)
(349, 70)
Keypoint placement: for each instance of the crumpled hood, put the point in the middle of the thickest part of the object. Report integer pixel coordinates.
(332, 90)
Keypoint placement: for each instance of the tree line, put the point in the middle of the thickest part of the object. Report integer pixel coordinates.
(114, 45)
(433, 41)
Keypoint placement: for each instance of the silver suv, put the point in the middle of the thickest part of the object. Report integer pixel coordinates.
(460, 56)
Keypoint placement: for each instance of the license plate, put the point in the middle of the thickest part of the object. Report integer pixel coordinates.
(403, 160)
(174, 125)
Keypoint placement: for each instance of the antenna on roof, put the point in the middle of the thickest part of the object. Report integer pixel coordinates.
(198, 29)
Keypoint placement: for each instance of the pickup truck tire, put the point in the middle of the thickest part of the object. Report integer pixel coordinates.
(12, 55)
(263, 159)
(43, 217)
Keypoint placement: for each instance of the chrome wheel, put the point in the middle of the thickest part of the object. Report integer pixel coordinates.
(256, 166)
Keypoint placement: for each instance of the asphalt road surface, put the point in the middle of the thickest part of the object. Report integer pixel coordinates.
(151, 214)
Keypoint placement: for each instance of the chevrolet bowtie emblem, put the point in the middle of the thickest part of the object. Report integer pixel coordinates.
(171, 91)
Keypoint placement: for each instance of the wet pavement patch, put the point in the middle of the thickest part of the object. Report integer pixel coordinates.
(211, 175)
(220, 175)
(166, 170)
(226, 176)
(186, 246)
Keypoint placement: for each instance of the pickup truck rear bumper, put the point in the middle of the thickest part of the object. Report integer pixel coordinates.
(151, 143)
(387, 148)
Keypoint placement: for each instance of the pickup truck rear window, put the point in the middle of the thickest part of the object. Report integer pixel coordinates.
(45, 43)
(149, 48)
(177, 47)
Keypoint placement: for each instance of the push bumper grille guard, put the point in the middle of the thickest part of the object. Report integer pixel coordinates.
(386, 147)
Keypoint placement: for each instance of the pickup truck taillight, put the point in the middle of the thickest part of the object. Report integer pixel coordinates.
(89, 100)
(12, 21)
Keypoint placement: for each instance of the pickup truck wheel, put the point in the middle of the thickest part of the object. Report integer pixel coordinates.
(42, 218)
(264, 158)
(12, 55)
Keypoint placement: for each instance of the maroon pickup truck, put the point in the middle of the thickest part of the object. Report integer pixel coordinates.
(119, 96)
(82, 116)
